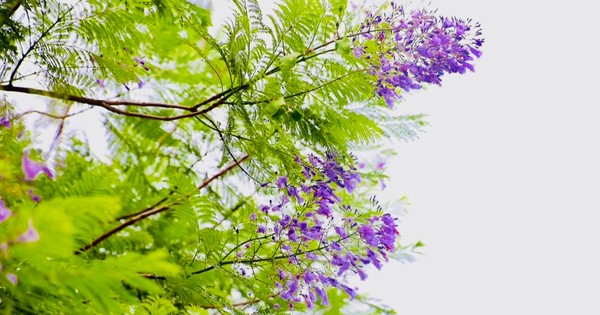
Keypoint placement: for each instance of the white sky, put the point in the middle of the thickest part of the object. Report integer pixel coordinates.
(505, 183)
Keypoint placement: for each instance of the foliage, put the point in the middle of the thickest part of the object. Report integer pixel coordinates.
(231, 185)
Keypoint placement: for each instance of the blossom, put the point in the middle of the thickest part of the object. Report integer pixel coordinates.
(5, 121)
(139, 60)
(32, 169)
(261, 229)
(323, 295)
(30, 236)
(419, 48)
(4, 211)
(318, 221)
(101, 83)
(36, 198)
(12, 278)
(282, 182)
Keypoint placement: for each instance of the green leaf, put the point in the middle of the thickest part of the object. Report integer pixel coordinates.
(289, 61)
(273, 106)
(296, 115)
(343, 46)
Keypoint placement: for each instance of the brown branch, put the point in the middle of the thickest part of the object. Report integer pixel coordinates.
(109, 105)
(150, 212)
(158, 203)
(13, 7)
(217, 99)
(87, 100)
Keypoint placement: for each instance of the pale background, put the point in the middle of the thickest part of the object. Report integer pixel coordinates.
(504, 185)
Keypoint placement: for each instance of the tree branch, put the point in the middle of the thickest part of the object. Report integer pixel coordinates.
(87, 100)
(256, 260)
(149, 212)
(109, 105)
(51, 115)
(13, 7)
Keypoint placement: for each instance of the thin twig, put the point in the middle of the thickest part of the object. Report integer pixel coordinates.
(244, 303)
(150, 212)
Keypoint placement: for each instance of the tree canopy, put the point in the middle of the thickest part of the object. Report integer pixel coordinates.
(234, 183)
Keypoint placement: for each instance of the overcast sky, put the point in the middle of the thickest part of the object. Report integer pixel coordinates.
(505, 183)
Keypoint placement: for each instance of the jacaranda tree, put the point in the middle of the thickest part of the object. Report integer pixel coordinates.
(233, 184)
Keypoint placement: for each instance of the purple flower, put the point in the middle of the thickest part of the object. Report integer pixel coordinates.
(373, 258)
(253, 216)
(308, 302)
(323, 295)
(36, 198)
(265, 208)
(4, 211)
(5, 121)
(358, 52)
(311, 256)
(361, 274)
(341, 231)
(292, 235)
(32, 169)
(139, 60)
(261, 229)
(30, 236)
(368, 235)
(336, 246)
(292, 286)
(309, 277)
(100, 83)
(424, 47)
(281, 273)
(351, 292)
(293, 192)
(282, 182)
(12, 278)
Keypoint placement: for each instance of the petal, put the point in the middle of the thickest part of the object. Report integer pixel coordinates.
(31, 235)
(32, 169)
(4, 212)
(12, 278)
(5, 121)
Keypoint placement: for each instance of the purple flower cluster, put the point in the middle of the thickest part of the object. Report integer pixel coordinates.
(29, 236)
(31, 170)
(406, 49)
(322, 239)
